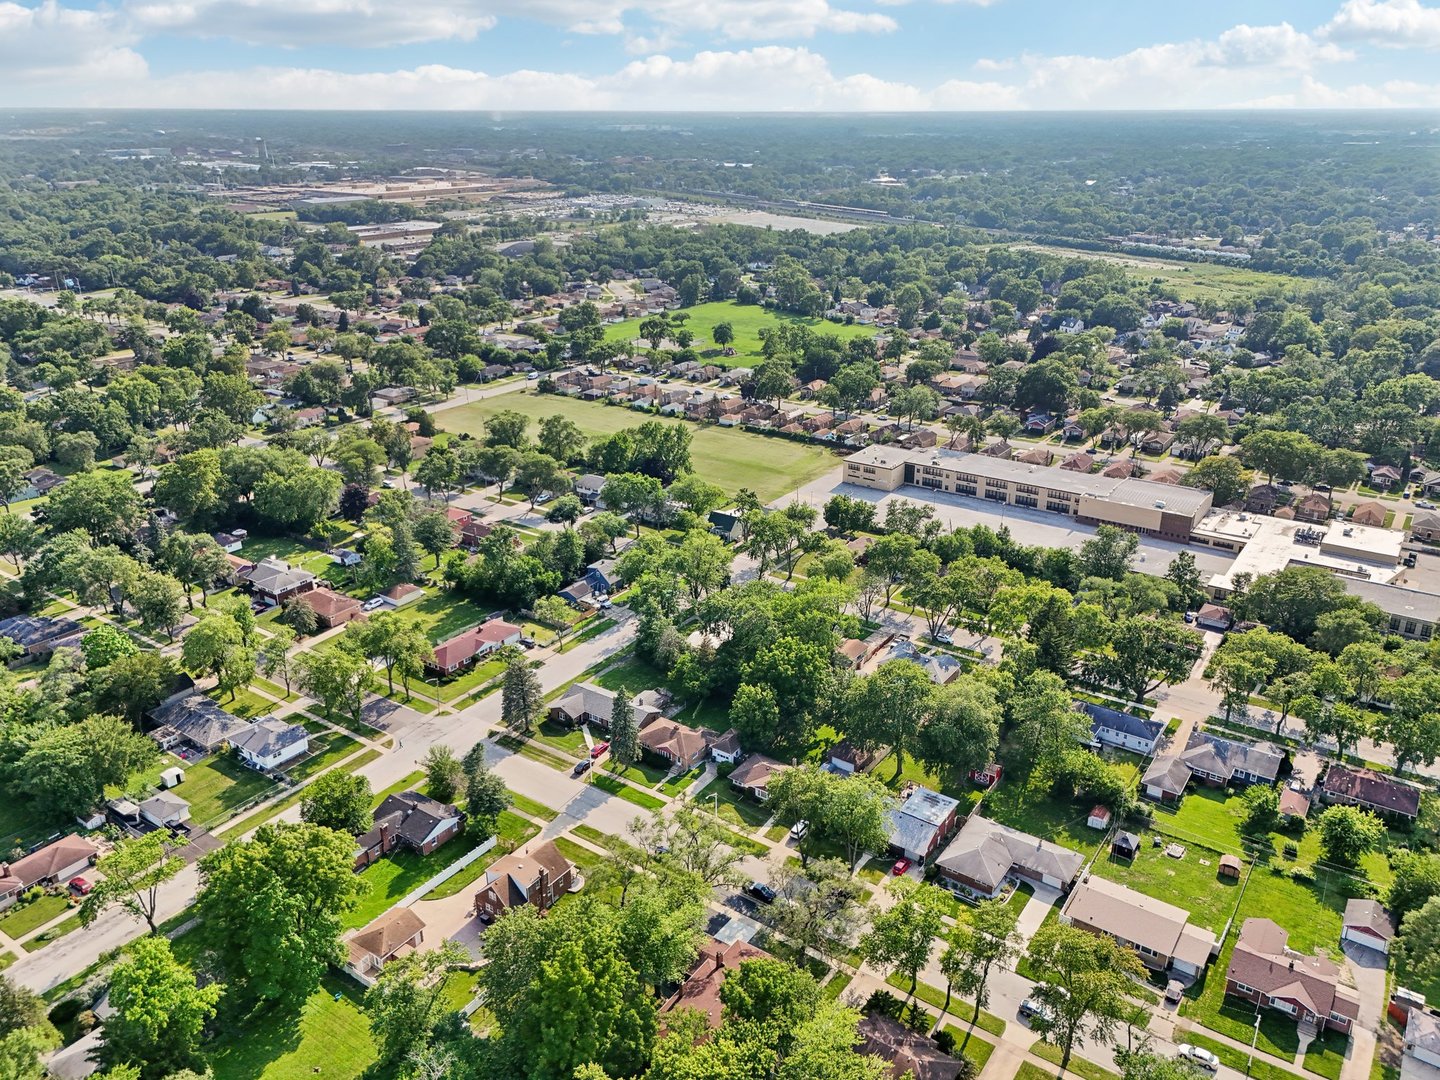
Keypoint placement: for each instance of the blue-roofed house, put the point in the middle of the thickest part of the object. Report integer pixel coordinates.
(1111, 727)
(921, 823)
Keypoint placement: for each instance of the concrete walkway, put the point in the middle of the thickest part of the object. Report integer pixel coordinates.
(1034, 912)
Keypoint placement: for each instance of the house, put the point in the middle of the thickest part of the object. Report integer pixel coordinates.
(374, 945)
(1079, 463)
(1422, 1036)
(344, 556)
(1370, 513)
(332, 608)
(1160, 933)
(577, 594)
(466, 647)
(852, 653)
(701, 988)
(1214, 617)
(1165, 778)
(922, 821)
(846, 757)
(1384, 477)
(910, 1053)
(1111, 727)
(38, 482)
(271, 742)
(229, 543)
(1125, 845)
(415, 821)
(1367, 923)
(37, 636)
(1313, 508)
(1265, 972)
(1294, 803)
(985, 853)
(684, 746)
(275, 581)
(539, 877)
(727, 525)
(1364, 788)
(1215, 761)
(165, 810)
(586, 703)
(752, 776)
(52, 864)
(397, 596)
(200, 721)
(603, 577)
(1425, 526)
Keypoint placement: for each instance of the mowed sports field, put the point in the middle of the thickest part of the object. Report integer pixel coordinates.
(733, 459)
(746, 320)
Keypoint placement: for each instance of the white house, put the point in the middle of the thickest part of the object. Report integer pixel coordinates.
(1422, 1036)
(1111, 727)
(271, 742)
(1367, 923)
(164, 810)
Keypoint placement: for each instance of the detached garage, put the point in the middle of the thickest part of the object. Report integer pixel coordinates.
(1367, 923)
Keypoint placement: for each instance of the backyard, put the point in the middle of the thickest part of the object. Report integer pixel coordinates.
(330, 1036)
(746, 320)
(217, 784)
(770, 467)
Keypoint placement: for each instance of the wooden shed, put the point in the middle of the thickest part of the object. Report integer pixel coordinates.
(1230, 867)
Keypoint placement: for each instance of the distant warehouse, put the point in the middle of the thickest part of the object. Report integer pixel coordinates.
(1162, 510)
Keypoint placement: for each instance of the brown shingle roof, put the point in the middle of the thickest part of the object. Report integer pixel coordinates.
(386, 935)
(1371, 789)
(1262, 961)
(701, 989)
(52, 858)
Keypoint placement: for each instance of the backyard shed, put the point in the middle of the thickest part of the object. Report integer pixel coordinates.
(1230, 867)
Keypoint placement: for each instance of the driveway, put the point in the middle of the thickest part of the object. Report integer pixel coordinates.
(1367, 967)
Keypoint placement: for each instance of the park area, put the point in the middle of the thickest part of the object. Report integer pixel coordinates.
(770, 467)
(746, 320)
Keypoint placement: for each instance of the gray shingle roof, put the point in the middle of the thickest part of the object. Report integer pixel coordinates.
(985, 851)
(269, 737)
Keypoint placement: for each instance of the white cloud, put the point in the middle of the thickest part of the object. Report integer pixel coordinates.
(1396, 24)
(378, 23)
(49, 44)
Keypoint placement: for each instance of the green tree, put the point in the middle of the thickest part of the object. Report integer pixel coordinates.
(1261, 813)
(1085, 980)
(889, 708)
(561, 438)
(1108, 553)
(443, 772)
(338, 800)
(159, 601)
(902, 937)
(1348, 832)
(271, 909)
(980, 942)
(339, 680)
(130, 876)
(624, 732)
(66, 769)
(506, 428)
(434, 533)
(632, 494)
(273, 659)
(1224, 477)
(486, 796)
(1418, 944)
(105, 644)
(408, 1000)
(159, 1012)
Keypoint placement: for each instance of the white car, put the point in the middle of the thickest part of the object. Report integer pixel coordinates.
(373, 603)
(1198, 1055)
(944, 637)
(1424, 504)
(799, 829)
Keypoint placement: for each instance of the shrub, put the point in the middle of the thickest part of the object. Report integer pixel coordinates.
(86, 1022)
(1303, 874)
(944, 1041)
(1291, 850)
(885, 1003)
(66, 1011)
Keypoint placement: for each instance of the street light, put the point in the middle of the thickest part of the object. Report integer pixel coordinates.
(1250, 1061)
(715, 798)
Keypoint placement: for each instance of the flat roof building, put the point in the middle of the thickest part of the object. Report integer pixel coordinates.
(1163, 510)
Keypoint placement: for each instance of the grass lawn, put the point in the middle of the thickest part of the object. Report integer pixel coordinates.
(1235, 1059)
(532, 808)
(246, 703)
(513, 831)
(1030, 1071)
(590, 630)
(450, 689)
(1326, 1057)
(1078, 1065)
(330, 1036)
(1033, 809)
(643, 772)
(746, 320)
(635, 675)
(217, 784)
(445, 614)
(734, 807)
(1192, 281)
(534, 751)
(622, 790)
(726, 456)
(398, 874)
(57, 931)
(959, 1007)
(1190, 882)
(22, 920)
(326, 748)
(567, 740)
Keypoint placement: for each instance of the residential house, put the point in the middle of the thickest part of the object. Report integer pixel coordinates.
(332, 608)
(1214, 617)
(1111, 727)
(374, 945)
(701, 988)
(271, 742)
(1384, 477)
(920, 823)
(846, 757)
(727, 525)
(458, 652)
(1370, 790)
(53, 864)
(1314, 508)
(538, 877)
(1266, 972)
(985, 854)
(1160, 933)
(1079, 463)
(1369, 513)
(36, 635)
(1367, 923)
(229, 543)
(685, 747)
(578, 594)
(1425, 526)
(165, 810)
(588, 487)
(852, 653)
(1214, 760)
(275, 581)
(397, 596)
(411, 820)
(1422, 1036)
(585, 703)
(752, 776)
(38, 482)
(199, 721)
(911, 1054)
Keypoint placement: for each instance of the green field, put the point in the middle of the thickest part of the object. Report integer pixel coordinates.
(770, 467)
(1191, 281)
(746, 320)
(330, 1037)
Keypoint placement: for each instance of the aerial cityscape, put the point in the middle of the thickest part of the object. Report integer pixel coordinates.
(720, 542)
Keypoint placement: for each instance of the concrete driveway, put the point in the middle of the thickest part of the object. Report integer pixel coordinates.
(1367, 967)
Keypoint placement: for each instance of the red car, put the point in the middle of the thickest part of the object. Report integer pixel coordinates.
(901, 865)
(598, 749)
(80, 886)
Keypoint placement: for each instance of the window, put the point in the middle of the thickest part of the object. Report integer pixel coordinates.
(1243, 989)
(1025, 500)
(1339, 1019)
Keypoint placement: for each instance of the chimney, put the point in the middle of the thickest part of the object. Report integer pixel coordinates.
(719, 957)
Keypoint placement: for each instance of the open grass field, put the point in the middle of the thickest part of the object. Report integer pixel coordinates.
(733, 459)
(329, 1037)
(1191, 281)
(746, 319)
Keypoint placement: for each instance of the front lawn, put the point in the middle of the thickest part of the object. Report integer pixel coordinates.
(622, 790)
(731, 805)
(1258, 1067)
(329, 1037)
(21, 920)
(1088, 1070)
(1326, 1056)
(215, 785)
(395, 876)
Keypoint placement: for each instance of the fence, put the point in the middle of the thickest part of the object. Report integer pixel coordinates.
(449, 872)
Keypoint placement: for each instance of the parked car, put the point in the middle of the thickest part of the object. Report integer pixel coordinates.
(760, 891)
(1198, 1055)
(1030, 1009)
(799, 829)
(944, 637)
(532, 376)
(581, 767)
(373, 603)
(528, 642)
(1424, 504)
(598, 749)
(900, 868)
(1189, 616)
(80, 886)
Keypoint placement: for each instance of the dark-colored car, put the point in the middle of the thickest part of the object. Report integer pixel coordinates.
(760, 891)
(581, 767)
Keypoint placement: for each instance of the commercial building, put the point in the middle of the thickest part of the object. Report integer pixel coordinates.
(1264, 545)
(1161, 510)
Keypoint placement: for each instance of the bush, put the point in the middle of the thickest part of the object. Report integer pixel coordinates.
(1291, 850)
(886, 1004)
(1303, 874)
(944, 1041)
(86, 1022)
(66, 1011)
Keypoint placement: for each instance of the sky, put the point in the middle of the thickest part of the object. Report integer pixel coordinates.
(733, 55)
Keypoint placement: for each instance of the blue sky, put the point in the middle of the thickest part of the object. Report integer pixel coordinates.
(722, 54)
